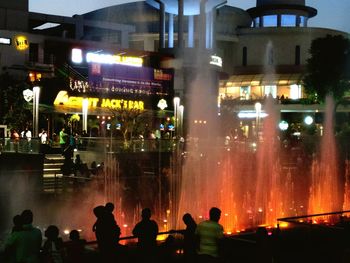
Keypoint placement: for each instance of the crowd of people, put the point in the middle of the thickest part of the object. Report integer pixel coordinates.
(200, 243)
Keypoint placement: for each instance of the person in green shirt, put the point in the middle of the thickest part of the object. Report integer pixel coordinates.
(25, 243)
(63, 139)
(209, 233)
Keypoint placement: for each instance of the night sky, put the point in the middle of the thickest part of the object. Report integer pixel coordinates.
(331, 14)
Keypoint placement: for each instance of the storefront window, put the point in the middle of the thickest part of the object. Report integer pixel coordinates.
(288, 20)
(270, 21)
(257, 22)
(245, 93)
(271, 90)
(295, 91)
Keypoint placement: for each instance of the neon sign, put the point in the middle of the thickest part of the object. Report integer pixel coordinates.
(21, 43)
(101, 58)
(63, 99)
(216, 61)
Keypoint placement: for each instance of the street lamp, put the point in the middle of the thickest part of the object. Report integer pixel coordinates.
(85, 113)
(257, 121)
(36, 95)
(181, 114)
(176, 112)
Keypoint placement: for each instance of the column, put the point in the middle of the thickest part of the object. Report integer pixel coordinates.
(180, 33)
(208, 30)
(213, 30)
(202, 23)
(162, 25)
(171, 31)
(190, 31)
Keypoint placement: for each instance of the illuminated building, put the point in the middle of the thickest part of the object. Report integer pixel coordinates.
(256, 52)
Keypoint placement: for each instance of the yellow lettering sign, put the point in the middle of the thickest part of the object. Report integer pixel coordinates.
(63, 99)
(21, 43)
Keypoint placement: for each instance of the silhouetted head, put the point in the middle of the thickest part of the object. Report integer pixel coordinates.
(52, 232)
(188, 219)
(214, 214)
(27, 217)
(110, 207)
(17, 220)
(146, 213)
(99, 211)
(74, 235)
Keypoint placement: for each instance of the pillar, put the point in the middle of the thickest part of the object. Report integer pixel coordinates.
(171, 31)
(180, 23)
(162, 25)
(191, 31)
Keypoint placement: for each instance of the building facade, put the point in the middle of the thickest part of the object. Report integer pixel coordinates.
(243, 56)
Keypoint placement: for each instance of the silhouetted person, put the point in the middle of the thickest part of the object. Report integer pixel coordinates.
(189, 238)
(209, 233)
(53, 251)
(26, 243)
(68, 164)
(9, 253)
(168, 250)
(17, 223)
(75, 248)
(107, 233)
(146, 232)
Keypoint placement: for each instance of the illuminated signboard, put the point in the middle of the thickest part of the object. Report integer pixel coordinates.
(216, 61)
(5, 41)
(113, 59)
(102, 58)
(134, 81)
(21, 42)
(63, 99)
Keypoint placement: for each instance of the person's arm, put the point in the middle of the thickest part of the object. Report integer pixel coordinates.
(11, 240)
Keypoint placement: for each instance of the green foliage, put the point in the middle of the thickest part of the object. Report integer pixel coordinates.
(328, 68)
(132, 122)
(14, 110)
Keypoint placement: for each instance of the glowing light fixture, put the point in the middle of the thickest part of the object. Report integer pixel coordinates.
(77, 55)
(162, 104)
(308, 120)
(283, 125)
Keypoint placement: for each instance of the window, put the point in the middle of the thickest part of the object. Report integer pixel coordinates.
(257, 22)
(244, 56)
(301, 21)
(295, 91)
(245, 93)
(33, 52)
(297, 55)
(288, 20)
(271, 90)
(270, 21)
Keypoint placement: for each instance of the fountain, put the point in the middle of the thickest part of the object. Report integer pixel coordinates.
(325, 189)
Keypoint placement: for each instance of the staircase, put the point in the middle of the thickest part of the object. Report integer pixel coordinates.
(52, 175)
(53, 179)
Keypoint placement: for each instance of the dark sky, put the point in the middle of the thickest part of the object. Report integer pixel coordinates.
(331, 13)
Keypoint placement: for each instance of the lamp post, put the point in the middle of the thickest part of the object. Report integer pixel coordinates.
(85, 108)
(181, 113)
(257, 121)
(176, 112)
(36, 96)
